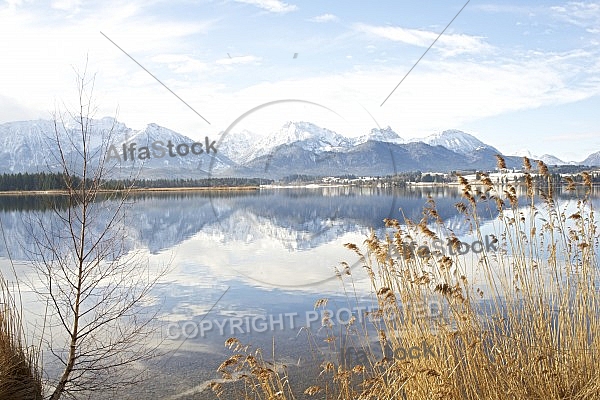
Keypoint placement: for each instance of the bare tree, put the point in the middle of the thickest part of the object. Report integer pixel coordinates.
(94, 284)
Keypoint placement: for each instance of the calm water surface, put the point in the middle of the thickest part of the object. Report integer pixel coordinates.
(249, 264)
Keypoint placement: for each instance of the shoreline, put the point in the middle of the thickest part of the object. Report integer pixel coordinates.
(134, 190)
(249, 188)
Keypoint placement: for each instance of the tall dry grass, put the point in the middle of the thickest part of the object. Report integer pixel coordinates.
(522, 322)
(20, 376)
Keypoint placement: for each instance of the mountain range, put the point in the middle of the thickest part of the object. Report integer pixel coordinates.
(296, 148)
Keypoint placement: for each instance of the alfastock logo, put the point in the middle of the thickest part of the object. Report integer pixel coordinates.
(158, 149)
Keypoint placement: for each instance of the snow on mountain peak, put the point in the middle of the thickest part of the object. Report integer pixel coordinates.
(381, 135)
(245, 146)
(548, 159)
(28, 145)
(295, 131)
(523, 153)
(455, 140)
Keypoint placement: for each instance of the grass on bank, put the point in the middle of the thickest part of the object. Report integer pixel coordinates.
(20, 376)
(522, 322)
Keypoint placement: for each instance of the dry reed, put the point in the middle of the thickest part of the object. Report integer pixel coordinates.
(522, 322)
(20, 377)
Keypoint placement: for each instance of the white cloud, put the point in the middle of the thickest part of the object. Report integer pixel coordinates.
(275, 6)
(435, 96)
(449, 44)
(573, 136)
(12, 4)
(12, 110)
(585, 15)
(324, 18)
(181, 63)
(239, 60)
(42, 45)
(505, 8)
(72, 6)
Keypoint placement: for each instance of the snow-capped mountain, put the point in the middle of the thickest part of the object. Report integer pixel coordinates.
(592, 159)
(238, 146)
(161, 163)
(153, 133)
(106, 128)
(309, 136)
(24, 146)
(296, 148)
(244, 146)
(380, 135)
(523, 153)
(31, 146)
(457, 141)
(548, 159)
(312, 136)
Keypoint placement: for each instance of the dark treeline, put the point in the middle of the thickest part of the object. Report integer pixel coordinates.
(36, 181)
(183, 183)
(56, 181)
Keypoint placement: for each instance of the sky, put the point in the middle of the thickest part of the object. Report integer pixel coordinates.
(518, 75)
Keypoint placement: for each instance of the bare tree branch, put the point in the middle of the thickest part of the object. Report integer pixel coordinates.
(95, 287)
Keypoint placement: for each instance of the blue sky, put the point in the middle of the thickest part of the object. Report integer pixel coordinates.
(518, 75)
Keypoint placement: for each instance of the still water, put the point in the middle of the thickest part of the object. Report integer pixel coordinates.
(248, 264)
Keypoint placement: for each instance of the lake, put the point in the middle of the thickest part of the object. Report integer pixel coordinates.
(247, 264)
